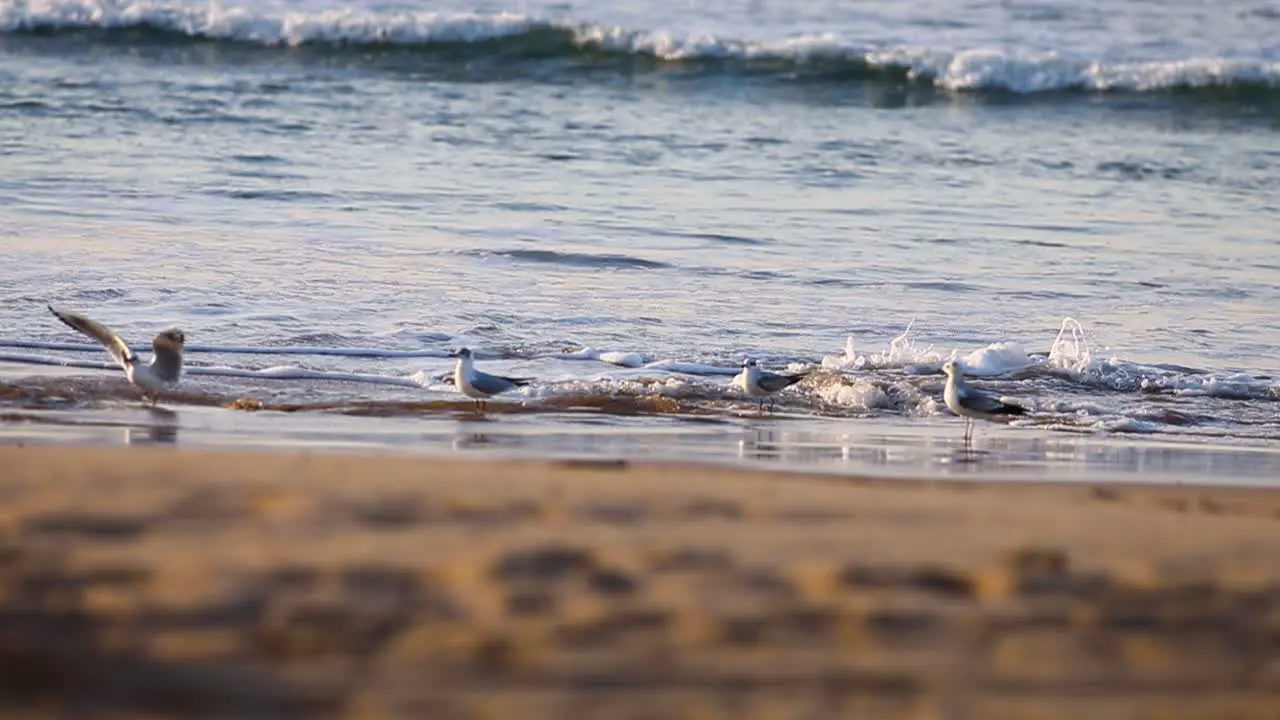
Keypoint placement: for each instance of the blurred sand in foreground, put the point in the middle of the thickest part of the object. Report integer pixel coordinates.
(166, 583)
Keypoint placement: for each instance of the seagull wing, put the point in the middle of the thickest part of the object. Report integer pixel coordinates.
(773, 382)
(493, 384)
(981, 402)
(96, 330)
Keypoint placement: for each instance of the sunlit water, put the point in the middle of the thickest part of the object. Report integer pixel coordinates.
(624, 200)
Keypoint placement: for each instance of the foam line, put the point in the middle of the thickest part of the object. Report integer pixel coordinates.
(283, 372)
(964, 69)
(286, 372)
(243, 350)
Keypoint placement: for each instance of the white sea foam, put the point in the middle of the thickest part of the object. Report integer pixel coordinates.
(214, 20)
(244, 350)
(610, 357)
(999, 358)
(1233, 386)
(899, 377)
(856, 393)
(863, 393)
(1011, 69)
(1025, 72)
(674, 387)
(279, 372)
(902, 352)
(913, 359)
(1127, 425)
(623, 359)
(692, 368)
(1072, 354)
(1070, 349)
(290, 372)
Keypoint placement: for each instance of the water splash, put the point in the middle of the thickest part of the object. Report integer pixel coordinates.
(998, 359)
(901, 353)
(1070, 352)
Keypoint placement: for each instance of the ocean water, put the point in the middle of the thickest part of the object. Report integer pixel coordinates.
(622, 200)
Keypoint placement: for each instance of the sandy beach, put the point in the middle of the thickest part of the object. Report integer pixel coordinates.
(166, 583)
(732, 257)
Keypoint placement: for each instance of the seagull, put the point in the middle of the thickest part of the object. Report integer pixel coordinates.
(479, 385)
(970, 403)
(165, 368)
(762, 383)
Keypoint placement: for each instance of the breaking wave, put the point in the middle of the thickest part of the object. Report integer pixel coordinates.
(1068, 384)
(517, 38)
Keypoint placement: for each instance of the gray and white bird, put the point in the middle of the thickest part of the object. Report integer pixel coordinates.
(762, 383)
(162, 373)
(480, 385)
(969, 403)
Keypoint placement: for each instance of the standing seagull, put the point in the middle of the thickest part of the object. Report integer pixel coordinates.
(165, 368)
(479, 385)
(970, 403)
(762, 383)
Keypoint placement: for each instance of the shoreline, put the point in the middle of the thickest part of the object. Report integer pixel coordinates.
(850, 447)
(193, 583)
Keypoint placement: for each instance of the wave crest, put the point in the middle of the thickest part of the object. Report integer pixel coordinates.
(514, 36)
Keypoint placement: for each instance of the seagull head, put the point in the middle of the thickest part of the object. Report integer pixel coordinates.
(748, 362)
(171, 339)
(951, 369)
(463, 353)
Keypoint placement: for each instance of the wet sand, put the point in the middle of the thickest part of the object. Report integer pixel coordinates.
(171, 583)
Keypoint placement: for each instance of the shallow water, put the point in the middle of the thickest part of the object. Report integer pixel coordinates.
(624, 200)
(888, 448)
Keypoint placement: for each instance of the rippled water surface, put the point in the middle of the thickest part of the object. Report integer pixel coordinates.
(624, 200)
